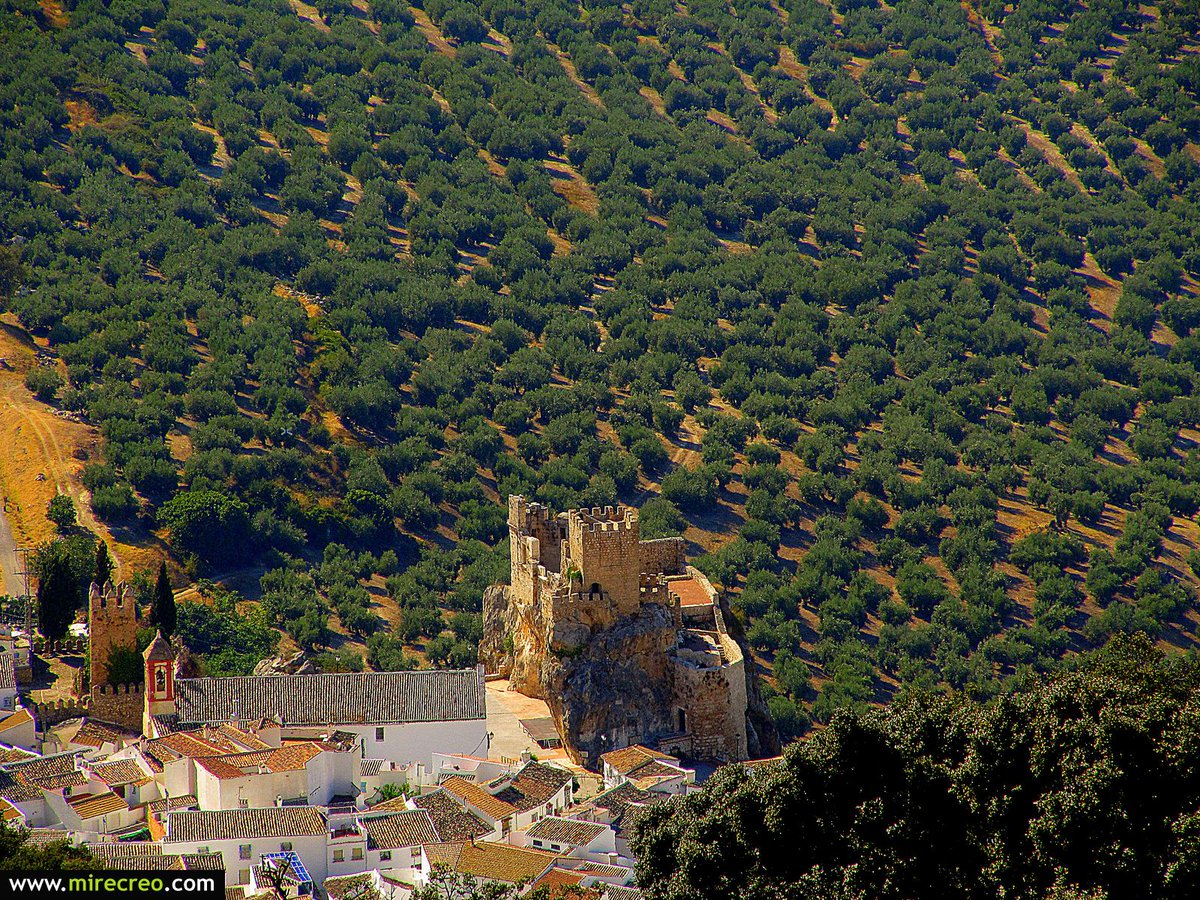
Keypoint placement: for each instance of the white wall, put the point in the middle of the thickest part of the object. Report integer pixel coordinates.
(402, 865)
(310, 848)
(411, 741)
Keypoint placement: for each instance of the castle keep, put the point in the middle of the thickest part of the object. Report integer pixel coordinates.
(624, 641)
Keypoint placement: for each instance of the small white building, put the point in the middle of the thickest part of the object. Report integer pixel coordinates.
(394, 842)
(571, 837)
(242, 836)
(651, 770)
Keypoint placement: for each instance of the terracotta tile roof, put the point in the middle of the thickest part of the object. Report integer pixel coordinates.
(185, 801)
(194, 825)
(48, 772)
(8, 812)
(121, 771)
(204, 862)
(396, 804)
(575, 832)
(532, 786)
(652, 772)
(473, 794)
(18, 790)
(401, 829)
(431, 695)
(15, 754)
(557, 879)
(594, 868)
(494, 862)
(245, 738)
(95, 734)
(15, 719)
(217, 766)
(42, 836)
(628, 758)
(287, 758)
(135, 855)
(351, 887)
(88, 806)
(622, 892)
(622, 798)
(453, 823)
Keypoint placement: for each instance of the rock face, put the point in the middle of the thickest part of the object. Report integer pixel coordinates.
(607, 690)
(624, 641)
(292, 664)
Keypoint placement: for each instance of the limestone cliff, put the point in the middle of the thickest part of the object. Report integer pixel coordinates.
(606, 688)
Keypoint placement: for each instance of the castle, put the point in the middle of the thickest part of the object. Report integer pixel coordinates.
(624, 641)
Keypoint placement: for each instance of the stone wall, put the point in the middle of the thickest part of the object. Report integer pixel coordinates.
(120, 704)
(666, 556)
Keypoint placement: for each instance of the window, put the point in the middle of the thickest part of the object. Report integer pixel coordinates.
(549, 808)
(201, 849)
(160, 680)
(244, 851)
(284, 846)
(379, 734)
(537, 842)
(243, 876)
(356, 853)
(683, 721)
(506, 826)
(243, 803)
(385, 855)
(339, 855)
(416, 852)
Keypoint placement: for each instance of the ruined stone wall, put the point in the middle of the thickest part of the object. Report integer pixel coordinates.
(714, 704)
(666, 556)
(112, 622)
(120, 704)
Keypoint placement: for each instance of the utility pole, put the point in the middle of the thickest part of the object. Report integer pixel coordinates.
(25, 551)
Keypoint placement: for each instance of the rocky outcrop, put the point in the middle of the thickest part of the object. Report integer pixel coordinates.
(291, 664)
(606, 688)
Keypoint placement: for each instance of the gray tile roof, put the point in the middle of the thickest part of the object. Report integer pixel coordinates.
(194, 825)
(453, 823)
(8, 672)
(402, 829)
(575, 832)
(371, 767)
(431, 695)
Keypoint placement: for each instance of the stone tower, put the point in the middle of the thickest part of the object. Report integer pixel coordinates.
(112, 622)
(160, 682)
(603, 547)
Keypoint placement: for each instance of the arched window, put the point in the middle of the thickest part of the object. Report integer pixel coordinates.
(594, 590)
(160, 680)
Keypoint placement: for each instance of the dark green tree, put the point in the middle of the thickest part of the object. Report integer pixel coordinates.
(58, 597)
(162, 610)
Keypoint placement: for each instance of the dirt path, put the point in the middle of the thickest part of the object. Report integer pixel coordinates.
(42, 452)
(10, 583)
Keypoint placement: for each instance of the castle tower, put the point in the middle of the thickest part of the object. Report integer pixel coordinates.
(602, 546)
(160, 682)
(112, 623)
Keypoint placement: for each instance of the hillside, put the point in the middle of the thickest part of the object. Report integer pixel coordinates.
(888, 308)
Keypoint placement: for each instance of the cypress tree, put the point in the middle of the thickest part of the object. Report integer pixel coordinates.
(162, 614)
(58, 598)
(103, 564)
